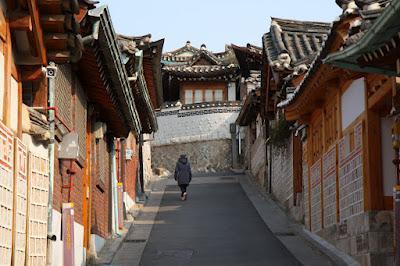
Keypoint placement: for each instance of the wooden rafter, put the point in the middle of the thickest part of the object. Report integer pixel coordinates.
(20, 21)
(37, 30)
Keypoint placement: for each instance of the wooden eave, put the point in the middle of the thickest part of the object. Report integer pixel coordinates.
(94, 79)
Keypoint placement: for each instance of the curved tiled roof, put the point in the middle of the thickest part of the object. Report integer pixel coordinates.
(291, 43)
(186, 62)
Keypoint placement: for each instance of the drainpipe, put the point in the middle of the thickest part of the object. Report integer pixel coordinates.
(141, 165)
(114, 192)
(51, 71)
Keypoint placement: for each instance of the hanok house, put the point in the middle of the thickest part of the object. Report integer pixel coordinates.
(252, 149)
(288, 50)
(31, 35)
(143, 65)
(201, 93)
(377, 51)
(347, 143)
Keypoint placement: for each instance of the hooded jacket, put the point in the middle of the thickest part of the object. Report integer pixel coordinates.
(183, 172)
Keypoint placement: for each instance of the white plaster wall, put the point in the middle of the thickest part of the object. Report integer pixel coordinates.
(35, 147)
(98, 242)
(1, 85)
(57, 247)
(353, 102)
(57, 254)
(200, 127)
(148, 173)
(129, 202)
(232, 91)
(14, 105)
(388, 168)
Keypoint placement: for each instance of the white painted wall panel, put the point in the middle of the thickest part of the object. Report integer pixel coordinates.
(2, 73)
(232, 91)
(202, 126)
(14, 105)
(353, 102)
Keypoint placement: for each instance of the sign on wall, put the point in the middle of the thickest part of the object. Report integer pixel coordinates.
(329, 185)
(6, 193)
(68, 233)
(316, 208)
(20, 201)
(351, 197)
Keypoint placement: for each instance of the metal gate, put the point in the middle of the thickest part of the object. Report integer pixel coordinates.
(38, 183)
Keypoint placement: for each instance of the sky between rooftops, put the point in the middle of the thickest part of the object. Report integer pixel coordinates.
(213, 22)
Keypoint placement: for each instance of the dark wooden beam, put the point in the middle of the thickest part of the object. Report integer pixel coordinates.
(20, 20)
(59, 56)
(31, 73)
(53, 23)
(57, 41)
(37, 29)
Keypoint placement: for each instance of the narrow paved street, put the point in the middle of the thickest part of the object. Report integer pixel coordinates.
(217, 225)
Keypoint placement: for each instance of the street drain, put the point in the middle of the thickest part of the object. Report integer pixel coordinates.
(284, 234)
(135, 240)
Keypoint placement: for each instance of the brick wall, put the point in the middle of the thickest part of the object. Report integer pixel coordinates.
(73, 113)
(258, 159)
(100, 185)
(63, 92)
(131, 168)
(80, 117)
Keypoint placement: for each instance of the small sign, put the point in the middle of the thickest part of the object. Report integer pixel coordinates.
(68, 233)
(129, 154)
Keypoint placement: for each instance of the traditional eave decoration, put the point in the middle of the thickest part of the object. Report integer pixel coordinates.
(134, 65)
(376, 44)
(249, 58)
(102, 70)
(293, 44)
(251, 107)
(306, 95)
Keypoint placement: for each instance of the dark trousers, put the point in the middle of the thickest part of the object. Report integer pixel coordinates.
(183, 188)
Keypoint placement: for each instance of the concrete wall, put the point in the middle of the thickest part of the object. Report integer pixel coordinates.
(195, 123)
(204, 156)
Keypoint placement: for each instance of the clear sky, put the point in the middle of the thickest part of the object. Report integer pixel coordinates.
(213, 22)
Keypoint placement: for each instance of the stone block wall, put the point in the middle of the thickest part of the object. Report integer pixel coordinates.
(204, 156)
(258, 160)
(282, 180)
(368, 237)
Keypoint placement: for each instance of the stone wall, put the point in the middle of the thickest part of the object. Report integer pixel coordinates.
(368, 237)
(257, 162)
(202, 131)
(282, 180)
(204, 156)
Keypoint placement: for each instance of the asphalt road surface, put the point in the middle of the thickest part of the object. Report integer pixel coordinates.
(217, 225)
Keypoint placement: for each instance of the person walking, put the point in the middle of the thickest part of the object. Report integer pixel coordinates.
(183, 175)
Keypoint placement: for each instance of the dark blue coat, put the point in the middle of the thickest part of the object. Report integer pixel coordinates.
(183, 173)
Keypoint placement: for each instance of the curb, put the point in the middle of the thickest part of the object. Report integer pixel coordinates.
(335, 255)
